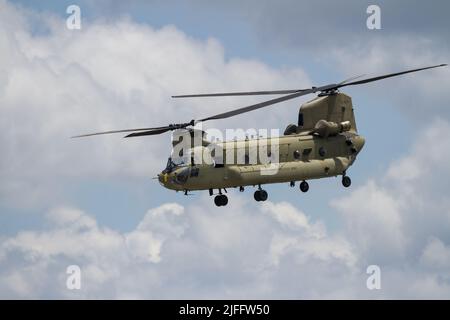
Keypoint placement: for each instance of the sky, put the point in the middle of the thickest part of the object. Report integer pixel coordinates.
(93, 202)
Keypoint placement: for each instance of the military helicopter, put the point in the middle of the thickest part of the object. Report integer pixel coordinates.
(324, 143)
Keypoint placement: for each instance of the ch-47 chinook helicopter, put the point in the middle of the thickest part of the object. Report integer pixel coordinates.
(323, 143)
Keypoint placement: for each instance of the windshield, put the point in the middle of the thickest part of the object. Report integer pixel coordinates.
(172, 165)
(178, 161)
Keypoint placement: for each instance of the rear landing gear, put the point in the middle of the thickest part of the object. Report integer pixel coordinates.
(346, 181)
(221, 200)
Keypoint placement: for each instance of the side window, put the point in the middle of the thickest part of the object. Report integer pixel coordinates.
(322, 151)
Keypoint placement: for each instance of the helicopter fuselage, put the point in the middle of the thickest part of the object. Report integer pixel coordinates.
(300, 157)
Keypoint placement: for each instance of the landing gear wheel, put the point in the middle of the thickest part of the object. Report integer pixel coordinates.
(263, 195)
(221, 200)
(217, 200)
(304, 186)
(224, 200)
(257, 195)
(260, 195)
(346, 181)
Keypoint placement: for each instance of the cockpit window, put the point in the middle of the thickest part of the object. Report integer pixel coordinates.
(182, 176)
(179, 161)
(171, 165)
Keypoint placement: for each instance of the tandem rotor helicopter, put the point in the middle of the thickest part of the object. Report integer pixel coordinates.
(324, 143)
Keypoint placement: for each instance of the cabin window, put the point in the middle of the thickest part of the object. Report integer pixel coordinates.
(300, 119)
(322, 152)
(297, 154)
(306, 152)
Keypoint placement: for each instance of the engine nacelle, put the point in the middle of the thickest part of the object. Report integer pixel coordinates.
(327, 128)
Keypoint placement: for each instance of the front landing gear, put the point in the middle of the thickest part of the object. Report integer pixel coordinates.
(346, 181)
(221, 200)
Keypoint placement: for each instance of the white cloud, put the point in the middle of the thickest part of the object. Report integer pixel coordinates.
(291, 217)
(373, 220)
(419, 97)
(173, 252)
(146, 241)
(102, 253)
(304, 239)
(436, 255)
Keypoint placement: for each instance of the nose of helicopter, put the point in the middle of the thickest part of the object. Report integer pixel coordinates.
(174, 179)
(163, 178)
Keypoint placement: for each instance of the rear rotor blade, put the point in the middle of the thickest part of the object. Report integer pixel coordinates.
(262, 104)
(325, 88)
(388, 76)
(249, 93)
(352, 78)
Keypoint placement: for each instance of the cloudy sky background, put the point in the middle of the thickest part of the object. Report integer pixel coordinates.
(92, 202)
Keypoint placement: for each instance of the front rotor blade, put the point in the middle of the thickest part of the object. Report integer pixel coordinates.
(118, 131)
(387, 76)
(148, 133)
